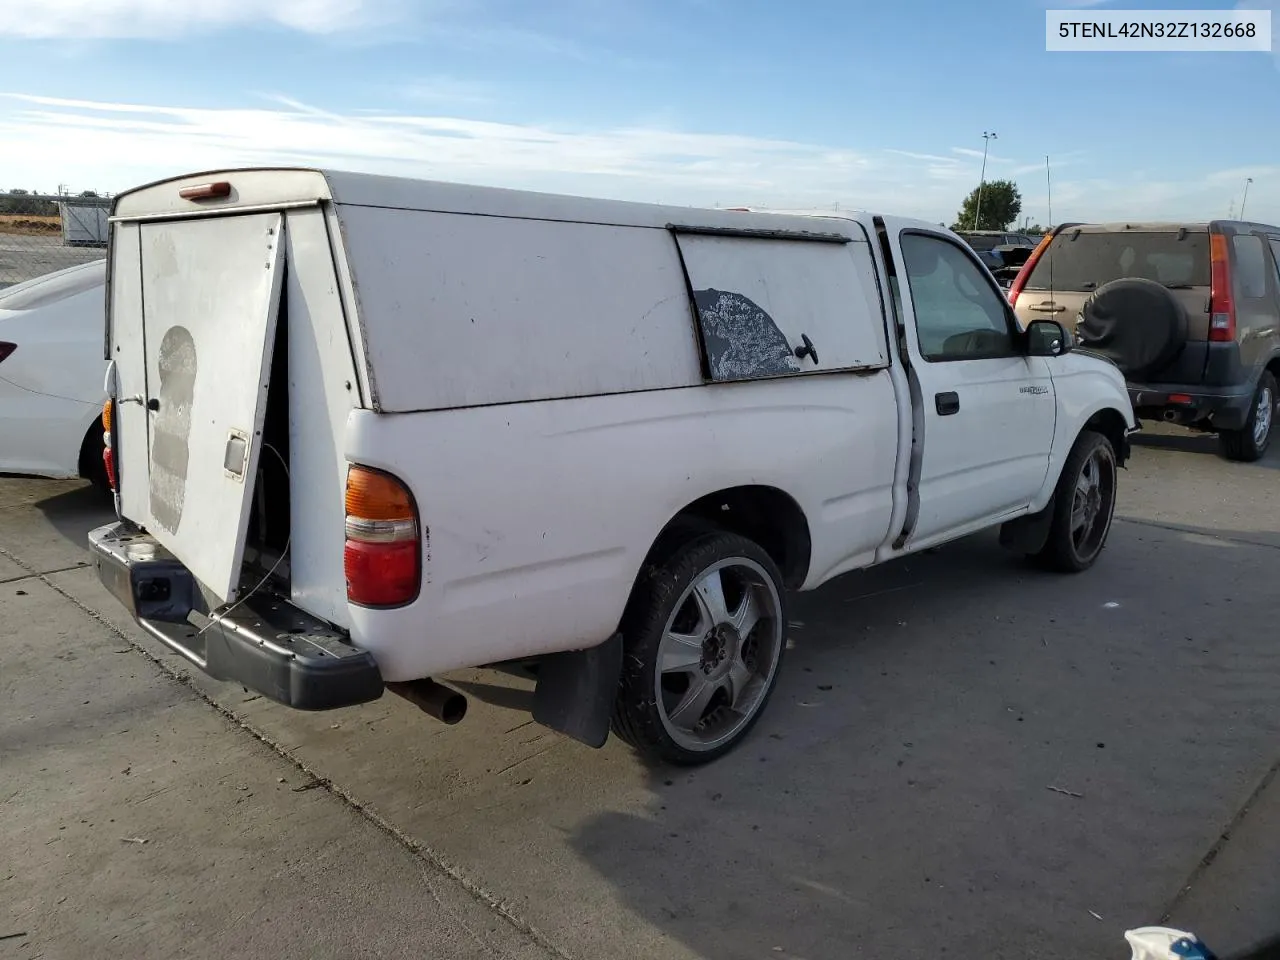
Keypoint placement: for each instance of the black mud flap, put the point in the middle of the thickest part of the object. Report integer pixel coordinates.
(1028, 535)
(576, 691)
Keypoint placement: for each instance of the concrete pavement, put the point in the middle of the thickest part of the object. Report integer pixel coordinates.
(963, 755)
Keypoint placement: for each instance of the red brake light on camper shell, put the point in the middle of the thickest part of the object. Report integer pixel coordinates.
(1020, 280)
(382, 556)
(1222, 307)
(206, 191)
(6, 349)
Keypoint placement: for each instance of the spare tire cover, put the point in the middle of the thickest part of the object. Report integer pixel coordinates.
(1137, 324)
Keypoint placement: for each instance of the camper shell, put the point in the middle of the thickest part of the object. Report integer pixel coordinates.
(553, 385)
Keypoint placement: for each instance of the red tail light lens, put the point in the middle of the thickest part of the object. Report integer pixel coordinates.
(1222, 307)
(6, 349)
(383, 554)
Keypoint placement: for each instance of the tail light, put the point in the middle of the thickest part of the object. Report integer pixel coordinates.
(108, 448)
(1024, 274)
(6, 349)
(1222, 306)
(383, 554)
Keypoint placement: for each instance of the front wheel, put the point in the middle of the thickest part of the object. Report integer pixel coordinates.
(1250, 443)
(704, 634)
(1083, 506)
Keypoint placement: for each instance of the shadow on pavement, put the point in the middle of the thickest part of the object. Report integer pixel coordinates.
(74, 512)
(1000, 763)
(1205, 444)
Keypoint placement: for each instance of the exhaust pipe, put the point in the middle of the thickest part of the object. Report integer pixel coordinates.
(436, 700)
(1171, 415)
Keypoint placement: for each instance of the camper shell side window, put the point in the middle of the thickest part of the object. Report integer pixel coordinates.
(772, 304)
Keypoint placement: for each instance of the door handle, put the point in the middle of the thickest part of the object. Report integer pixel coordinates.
(1048, 308)
(807, 349)
(946, 403)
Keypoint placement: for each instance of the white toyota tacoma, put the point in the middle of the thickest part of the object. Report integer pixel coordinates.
(364, 431)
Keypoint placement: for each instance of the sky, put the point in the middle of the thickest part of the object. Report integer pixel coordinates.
(805, 103)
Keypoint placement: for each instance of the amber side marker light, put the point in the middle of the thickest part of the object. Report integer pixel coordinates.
(206, 191)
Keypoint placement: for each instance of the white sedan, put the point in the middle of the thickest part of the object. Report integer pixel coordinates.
(51, 374)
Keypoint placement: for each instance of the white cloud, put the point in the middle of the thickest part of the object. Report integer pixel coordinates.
(113, 146)
(98, 19)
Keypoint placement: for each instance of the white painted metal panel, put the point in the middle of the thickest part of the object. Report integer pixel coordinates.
(212, 292)
(539, 515)
(758, 298)
(322, 393)
(989, 458)
(128, 349)
(461, 310)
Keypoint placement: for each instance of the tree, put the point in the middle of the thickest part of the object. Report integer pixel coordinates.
(89, 193)
(1001, 204)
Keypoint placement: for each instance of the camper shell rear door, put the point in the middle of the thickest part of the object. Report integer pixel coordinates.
(194, 301)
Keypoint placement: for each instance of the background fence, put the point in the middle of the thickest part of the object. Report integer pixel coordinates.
(41, 233)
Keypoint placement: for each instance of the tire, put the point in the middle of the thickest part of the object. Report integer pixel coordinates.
(1251, 441)
(91, 466)
(1140, 325)
(715, 670)
(1084, 504)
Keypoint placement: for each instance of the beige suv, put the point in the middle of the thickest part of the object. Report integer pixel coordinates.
(1189, 312)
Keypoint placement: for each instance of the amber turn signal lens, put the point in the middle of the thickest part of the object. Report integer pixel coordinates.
(106, 415)
(373, 495)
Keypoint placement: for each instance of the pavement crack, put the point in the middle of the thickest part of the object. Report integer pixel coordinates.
(536, 753)
(424, 852)
(35, 573)
(1224, 837)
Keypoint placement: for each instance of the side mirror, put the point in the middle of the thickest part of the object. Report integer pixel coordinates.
(1048, 338)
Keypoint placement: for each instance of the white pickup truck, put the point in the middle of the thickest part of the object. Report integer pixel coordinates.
(366, 430)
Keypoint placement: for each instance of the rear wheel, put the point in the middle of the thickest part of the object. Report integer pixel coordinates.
(1083, 506)
(91, 466)
(704, 634)
(1251, 441)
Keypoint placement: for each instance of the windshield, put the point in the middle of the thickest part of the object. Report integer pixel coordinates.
(1092, 259)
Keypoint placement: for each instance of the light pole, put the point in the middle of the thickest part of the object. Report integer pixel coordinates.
(1247, 181)
(987, 137)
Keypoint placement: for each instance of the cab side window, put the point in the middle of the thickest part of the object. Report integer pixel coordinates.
(959, 315)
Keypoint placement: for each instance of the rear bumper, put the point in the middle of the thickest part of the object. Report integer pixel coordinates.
(1224, 408)
(265, 644)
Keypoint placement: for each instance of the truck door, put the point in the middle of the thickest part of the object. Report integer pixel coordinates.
(210, 295)
(988, 409)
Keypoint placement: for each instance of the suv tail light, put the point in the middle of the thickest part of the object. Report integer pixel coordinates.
(1222, 306)
(6, 349)
(108, 448)
(383, 555)
(1020, 280)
